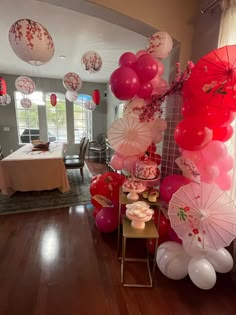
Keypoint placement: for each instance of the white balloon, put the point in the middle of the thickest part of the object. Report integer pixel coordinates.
(220, 259)
(202, 273)
(172, 260)
(173, 246)
(194, 249)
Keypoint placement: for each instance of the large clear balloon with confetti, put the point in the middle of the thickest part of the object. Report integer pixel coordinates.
(160, 45)
(91, 61)
(72, 81)
(25, 85)
(31, 42)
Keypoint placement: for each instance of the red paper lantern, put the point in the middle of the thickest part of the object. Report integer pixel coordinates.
(3, 86)
(96, 97)
(53, 99)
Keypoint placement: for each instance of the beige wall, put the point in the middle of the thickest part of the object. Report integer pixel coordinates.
(177, 17)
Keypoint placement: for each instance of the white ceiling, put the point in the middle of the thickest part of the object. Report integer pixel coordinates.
(73, 33)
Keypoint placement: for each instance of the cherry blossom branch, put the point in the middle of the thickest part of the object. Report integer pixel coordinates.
(148, 111)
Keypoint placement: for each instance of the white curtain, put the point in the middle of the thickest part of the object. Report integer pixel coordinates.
(227, 36)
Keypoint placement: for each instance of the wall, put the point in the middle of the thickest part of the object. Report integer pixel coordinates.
(9, 139)
(206, 31)
(174, 16)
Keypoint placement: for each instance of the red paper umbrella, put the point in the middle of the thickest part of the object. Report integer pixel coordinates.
(213, 80)
(3, 86)
(96, 97)
(53, 99)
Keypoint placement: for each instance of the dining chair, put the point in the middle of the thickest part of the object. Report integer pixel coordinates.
(98, 146)
(1, 154)
(80, 162)
(76, 156)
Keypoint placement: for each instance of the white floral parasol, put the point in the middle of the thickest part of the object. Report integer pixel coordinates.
(129, 136)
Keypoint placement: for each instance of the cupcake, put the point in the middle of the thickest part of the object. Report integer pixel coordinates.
(153, 195)
(145, 194)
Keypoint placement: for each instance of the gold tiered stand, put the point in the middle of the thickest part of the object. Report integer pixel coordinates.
(150, 231)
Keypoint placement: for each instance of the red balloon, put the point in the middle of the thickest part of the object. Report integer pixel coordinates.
(95, 212)
(164, 224)
(151, 243)
(109, 184)
(191, 134)
(128, 59)
(140, 53)
(189, 109)
(214, 118)
(223, 133)
(173, 236)
(100, 201)
(107, 220)
(145, 90)
(146, 67)
(170, 185)
(124, 83)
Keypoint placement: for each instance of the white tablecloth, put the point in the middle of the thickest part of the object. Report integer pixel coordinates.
(27, 170)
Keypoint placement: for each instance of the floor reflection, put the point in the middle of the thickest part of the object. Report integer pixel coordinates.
(50, 245)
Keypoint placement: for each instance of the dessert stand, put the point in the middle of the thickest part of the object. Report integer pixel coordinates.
(139, 213)
(133, 193)
(138, 223)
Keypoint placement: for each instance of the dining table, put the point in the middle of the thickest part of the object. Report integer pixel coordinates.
(30, 170)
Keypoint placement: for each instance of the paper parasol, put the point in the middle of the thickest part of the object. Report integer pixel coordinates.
(203, 214)
(129, 136)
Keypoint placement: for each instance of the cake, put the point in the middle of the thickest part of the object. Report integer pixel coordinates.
(132, 184)
(146, 169)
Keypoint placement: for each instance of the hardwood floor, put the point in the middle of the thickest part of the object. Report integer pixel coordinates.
(57, 262)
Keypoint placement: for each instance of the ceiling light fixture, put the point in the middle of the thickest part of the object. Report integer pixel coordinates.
(62, 57)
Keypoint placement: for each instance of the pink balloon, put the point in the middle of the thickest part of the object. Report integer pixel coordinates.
(130, 163)
(107, 220)
(208, 172)
(157, 137)
(161, 68)
(194, 156)
(170, 185)
(128, 59)
(225, 164)
(124, 83)
(140, 53)
(159, 124)
(155, 82)
(146, 67)
(224, 181)
(162, 88)
(214, 150)
(145, 90)
(117, 162)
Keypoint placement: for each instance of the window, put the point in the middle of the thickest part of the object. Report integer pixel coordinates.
(56, 119)
(82, 118)
(119, 109)
(27, 119)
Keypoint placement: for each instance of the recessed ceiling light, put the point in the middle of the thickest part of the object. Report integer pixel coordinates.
(62, 57)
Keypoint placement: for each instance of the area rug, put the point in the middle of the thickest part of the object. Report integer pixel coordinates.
(49, 199)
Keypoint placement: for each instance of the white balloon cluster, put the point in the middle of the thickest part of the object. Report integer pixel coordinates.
(176, 261)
